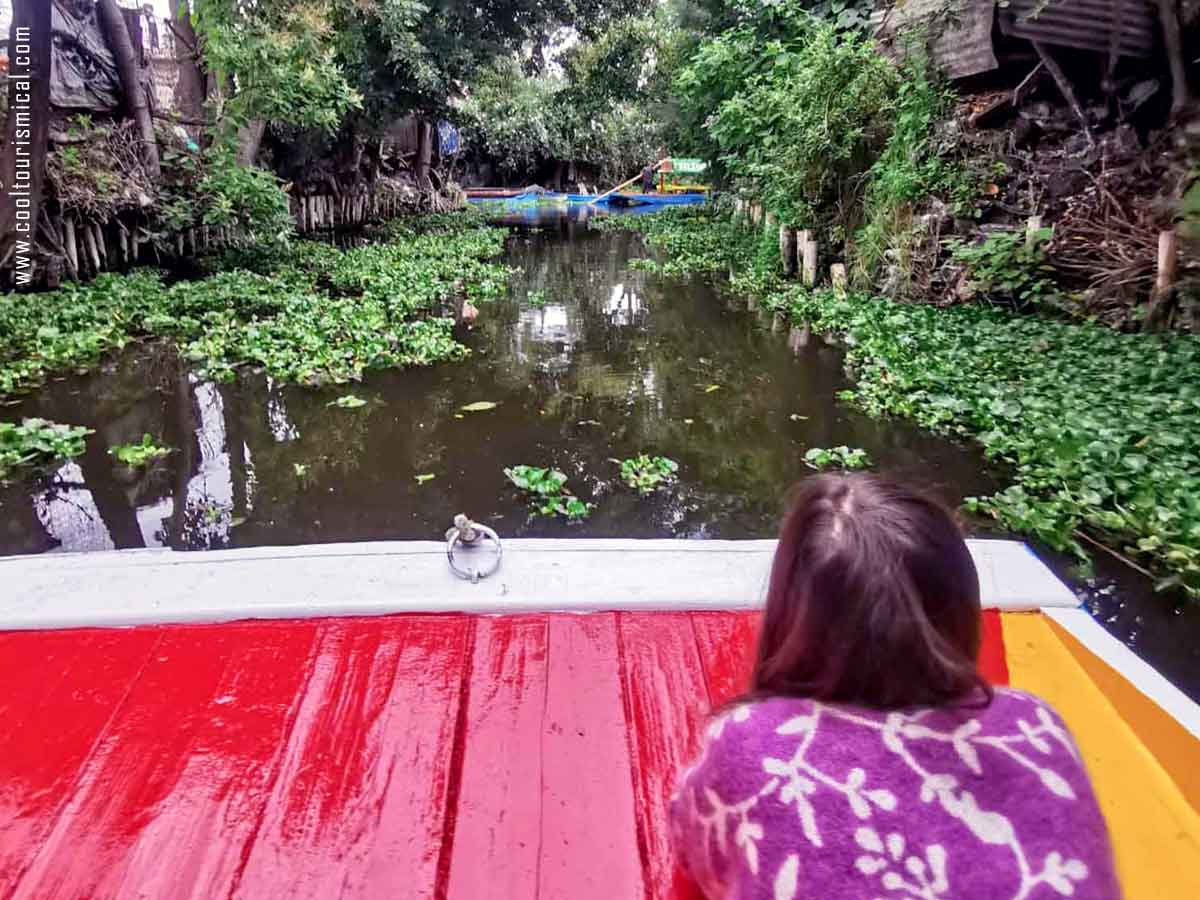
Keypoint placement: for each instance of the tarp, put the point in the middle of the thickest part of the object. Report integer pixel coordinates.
(448, 138)
(83, 72)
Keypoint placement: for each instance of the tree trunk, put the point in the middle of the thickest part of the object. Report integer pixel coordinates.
(424, 152)
(190, 89)
(249, 139)
(117, 36)
(23, 158)
(1168, 17)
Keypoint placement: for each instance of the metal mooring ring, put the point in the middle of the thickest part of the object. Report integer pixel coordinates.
(473, 575)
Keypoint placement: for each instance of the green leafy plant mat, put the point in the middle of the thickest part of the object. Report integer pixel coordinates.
(138, 455)
(837, 457)
(38, 442)
(548, 492)
(646, 474)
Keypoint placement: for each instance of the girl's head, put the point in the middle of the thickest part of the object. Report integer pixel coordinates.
(873, 600)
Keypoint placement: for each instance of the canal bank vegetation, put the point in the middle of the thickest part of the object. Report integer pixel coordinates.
(935, 172)
(232, 123)
(1099, 431)
(309, 313)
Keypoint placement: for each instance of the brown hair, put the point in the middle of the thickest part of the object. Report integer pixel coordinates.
(873, 600)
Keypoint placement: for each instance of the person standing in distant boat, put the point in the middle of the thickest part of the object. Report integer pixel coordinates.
(869, 758)
(647, 179)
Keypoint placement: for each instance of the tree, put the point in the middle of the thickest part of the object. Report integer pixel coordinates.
(116, 34)
(190, 89)
(270, 62)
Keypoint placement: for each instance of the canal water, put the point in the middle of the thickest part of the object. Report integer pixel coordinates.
(588, 361)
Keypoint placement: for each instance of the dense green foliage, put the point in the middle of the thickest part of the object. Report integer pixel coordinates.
(795, 122)
(1009, 268)
(599, 106)
(920, 160)
(309, 314)
(548, 492)
(646, 474)
(209, 188)
(36, 442)
(1099, 431)
(796, 108)
(277, 61)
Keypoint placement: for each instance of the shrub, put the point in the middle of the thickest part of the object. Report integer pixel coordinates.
(1008, 268)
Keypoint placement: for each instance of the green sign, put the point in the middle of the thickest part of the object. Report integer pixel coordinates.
(686, 166)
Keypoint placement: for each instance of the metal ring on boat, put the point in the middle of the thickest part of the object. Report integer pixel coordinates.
(473, 575)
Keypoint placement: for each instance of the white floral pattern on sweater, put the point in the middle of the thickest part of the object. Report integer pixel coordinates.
(794, 798)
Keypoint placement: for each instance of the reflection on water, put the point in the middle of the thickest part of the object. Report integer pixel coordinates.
(602, 363)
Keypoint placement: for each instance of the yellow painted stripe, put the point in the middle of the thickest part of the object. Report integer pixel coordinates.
(1177, 751)
(1155, 831)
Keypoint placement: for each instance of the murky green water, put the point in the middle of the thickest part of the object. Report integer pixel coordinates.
(616, 362)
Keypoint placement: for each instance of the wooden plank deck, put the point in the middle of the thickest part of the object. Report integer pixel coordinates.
(422, 756)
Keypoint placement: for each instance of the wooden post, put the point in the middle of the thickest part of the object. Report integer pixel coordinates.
(71, 247)
(1158, 312)
(1032, 226)
(89, 241)
(771, 222)
(111, 259)
(101, 249)
(809, 259)
(1168, 259)
(787, 250)
(802, 238)
(837, 277)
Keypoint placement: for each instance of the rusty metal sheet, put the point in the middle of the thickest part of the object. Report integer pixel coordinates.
(962, 36)
(1125, 27)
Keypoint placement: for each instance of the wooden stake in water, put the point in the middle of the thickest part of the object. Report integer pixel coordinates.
(1158, 313)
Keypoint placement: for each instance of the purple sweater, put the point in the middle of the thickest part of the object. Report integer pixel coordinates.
(798, 799)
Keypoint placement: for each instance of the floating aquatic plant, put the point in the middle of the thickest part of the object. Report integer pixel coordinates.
(646, 474)
(137, 455)
(36, 442)
(548, 491)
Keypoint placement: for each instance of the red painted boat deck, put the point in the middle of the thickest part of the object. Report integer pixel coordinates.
(407, 756)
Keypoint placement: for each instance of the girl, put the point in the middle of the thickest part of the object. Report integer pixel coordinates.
(869, 758)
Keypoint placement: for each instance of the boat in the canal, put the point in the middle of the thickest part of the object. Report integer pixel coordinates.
(352, 720)
(615, 200)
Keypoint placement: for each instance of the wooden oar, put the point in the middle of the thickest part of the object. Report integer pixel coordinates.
(624, 184)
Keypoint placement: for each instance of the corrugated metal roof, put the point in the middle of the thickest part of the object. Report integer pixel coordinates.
(1124, 26)
(963, 45)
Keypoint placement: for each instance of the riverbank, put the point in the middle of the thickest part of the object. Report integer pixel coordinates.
(1101, 429)
(303, 312)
